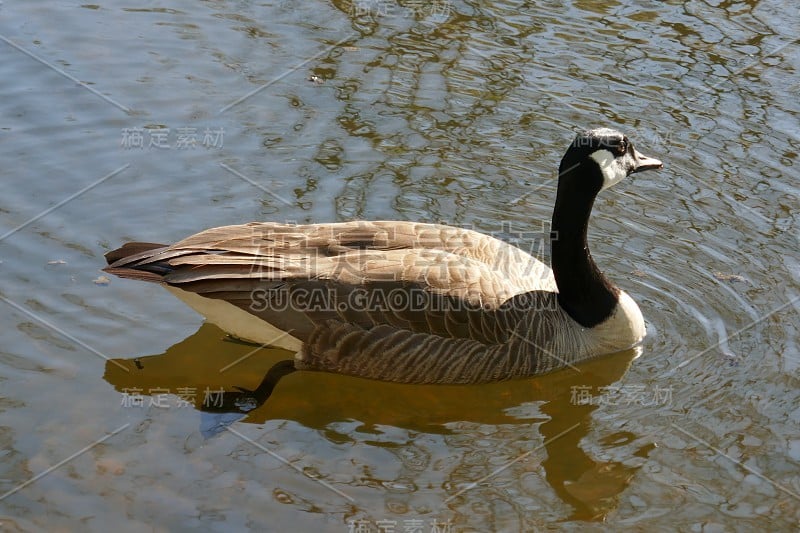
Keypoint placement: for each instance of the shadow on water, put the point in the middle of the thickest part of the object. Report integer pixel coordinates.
(230, 381)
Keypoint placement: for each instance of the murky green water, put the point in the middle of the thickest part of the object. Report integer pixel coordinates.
(190, 115)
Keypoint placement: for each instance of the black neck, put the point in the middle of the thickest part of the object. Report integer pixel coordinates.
(583, 291)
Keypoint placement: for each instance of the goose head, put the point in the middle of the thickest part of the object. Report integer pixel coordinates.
(603, 157)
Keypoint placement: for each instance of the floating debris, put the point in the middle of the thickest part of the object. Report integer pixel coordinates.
(724, 276)
(316, 79)
(281, 496)
(57, 262)
(102, 280)
(731, 358)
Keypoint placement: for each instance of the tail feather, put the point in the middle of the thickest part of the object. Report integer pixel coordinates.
(131, 248)
(132, 273)
(123, 262)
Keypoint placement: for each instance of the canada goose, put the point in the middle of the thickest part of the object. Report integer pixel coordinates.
(412, 302)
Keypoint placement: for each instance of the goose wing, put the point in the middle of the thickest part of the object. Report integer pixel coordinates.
(535, 346)
(422, 278)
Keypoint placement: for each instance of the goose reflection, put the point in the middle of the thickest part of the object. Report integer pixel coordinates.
(228, 381)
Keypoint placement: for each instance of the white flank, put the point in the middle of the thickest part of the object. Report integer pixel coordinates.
(236, 321)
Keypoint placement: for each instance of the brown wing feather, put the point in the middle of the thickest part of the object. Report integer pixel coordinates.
(395, 354)
(465, 286)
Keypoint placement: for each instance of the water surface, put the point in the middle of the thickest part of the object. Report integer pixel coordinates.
(145, 122)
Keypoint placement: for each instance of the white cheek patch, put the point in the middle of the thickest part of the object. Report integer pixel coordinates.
(612, 168)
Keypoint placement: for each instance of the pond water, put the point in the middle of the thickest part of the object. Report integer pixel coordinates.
(153, 121)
